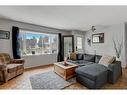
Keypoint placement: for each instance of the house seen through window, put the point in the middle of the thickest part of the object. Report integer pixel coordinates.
(32, 43)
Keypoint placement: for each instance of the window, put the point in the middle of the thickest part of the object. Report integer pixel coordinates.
(79, 42)
(37, 43)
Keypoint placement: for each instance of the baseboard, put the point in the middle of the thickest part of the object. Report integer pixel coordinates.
(37, 67)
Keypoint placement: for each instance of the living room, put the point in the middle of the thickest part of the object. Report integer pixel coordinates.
(44, 39)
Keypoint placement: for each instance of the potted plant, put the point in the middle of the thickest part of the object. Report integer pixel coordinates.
(118, 48)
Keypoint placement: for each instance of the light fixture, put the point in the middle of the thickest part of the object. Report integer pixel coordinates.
(93, 28)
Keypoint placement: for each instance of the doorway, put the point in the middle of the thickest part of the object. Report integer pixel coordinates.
(68, 45)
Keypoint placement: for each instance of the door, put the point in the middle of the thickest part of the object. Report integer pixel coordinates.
(68, 45)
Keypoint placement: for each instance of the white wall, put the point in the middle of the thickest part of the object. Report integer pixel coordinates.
(37, 60)
(5, 45)
(115, 31)
(125, 42)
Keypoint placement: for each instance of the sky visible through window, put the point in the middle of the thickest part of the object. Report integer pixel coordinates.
(37, 36)
(38, 43)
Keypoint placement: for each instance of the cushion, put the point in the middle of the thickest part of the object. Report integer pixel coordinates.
(13, 67)
(79, 56)
(91, 71)
(84, 64)
(97, 58)
(5, 58)
(106, 60)
(20, 66)
(80, 62)
(90, 58)
(73, 56)
(73, 61)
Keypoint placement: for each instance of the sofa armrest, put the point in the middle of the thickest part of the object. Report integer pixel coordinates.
(2, 67)
(115, 71)
(17, 61)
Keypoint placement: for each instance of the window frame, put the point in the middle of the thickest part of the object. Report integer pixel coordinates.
(22, 31)
(81, 42)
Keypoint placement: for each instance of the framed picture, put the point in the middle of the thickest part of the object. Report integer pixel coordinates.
(98, 38)
(4, 34)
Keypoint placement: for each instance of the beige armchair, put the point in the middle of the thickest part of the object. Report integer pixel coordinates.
(10, 68)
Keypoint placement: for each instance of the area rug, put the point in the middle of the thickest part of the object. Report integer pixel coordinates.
(49, 80)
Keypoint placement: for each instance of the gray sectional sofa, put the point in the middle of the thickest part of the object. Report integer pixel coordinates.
(94, 75)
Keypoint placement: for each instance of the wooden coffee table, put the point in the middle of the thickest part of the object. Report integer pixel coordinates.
(65, 72)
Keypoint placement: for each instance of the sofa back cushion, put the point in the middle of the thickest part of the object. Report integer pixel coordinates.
(79, 56)
(89, 57)
(106, 60)
(5, 58)
(97, 58)
(73, 56)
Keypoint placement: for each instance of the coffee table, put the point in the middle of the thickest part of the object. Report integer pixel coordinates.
(65, 72)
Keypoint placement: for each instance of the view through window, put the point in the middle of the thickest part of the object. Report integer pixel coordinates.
(32, 43)
(79, 42)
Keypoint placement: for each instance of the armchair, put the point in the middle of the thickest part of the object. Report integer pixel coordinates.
(10, 68)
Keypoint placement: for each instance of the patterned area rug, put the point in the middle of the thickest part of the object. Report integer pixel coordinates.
(49, 80)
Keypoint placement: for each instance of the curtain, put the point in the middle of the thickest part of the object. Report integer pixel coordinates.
(60, 49)
(15, 43)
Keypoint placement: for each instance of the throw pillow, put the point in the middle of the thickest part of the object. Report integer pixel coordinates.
(106, 60)
(73, 56)
(79, 56)
(89, 57)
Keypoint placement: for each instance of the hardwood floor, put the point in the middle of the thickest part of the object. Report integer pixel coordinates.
(22, 81)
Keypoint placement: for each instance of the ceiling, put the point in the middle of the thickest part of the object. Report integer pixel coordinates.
(66, 17)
